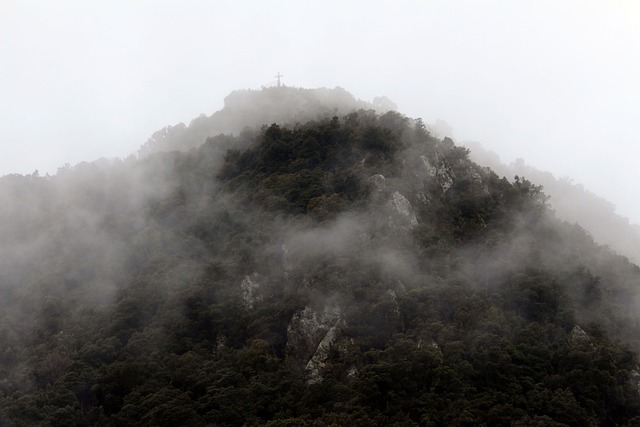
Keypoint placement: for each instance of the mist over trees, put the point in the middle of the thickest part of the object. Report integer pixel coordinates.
(254, 108)
(319, 263)
(573, 203)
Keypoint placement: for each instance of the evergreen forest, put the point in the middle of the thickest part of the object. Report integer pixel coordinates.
(332, 266)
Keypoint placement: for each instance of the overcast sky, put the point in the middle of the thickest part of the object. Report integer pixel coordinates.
(553, 82)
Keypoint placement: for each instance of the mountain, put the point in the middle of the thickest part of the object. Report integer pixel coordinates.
(346, 269)
(572, 203)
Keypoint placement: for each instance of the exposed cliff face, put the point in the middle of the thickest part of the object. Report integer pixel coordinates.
(403, 207)
(440, 170)
(316, 364)
(393, 297)
(578, 335)
(430, 169)
(401, 213)
(250, 290)
(310, 337)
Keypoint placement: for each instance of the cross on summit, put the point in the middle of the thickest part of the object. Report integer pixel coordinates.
(278, 77)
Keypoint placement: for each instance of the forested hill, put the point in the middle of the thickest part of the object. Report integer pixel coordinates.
(350, 270)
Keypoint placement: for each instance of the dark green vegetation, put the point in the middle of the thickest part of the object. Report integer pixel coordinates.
(573, 203)
(349, 271)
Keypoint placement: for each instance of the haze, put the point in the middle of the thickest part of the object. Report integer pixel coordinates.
(553, 83)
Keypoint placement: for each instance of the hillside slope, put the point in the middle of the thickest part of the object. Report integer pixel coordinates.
(572, 203)
(349, 270)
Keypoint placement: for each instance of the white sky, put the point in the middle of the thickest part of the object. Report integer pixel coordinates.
(554, 82)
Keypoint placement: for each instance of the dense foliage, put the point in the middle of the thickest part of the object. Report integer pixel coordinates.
(347, 271)
(573, 203)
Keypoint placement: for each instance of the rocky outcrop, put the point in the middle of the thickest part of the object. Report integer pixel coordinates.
(441, 172)
(311, 335)
(431, 170)
(250, 291)
(578, 335)
(446, 177)
(378, 181)
(393, 297)
(316, 364)
(403, 209)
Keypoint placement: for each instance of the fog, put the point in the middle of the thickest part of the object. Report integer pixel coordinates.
(308, 246)
(555, 84)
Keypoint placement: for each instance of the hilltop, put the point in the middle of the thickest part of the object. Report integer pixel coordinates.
(254, 108)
